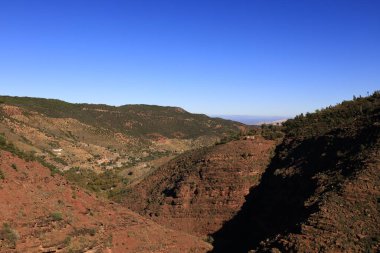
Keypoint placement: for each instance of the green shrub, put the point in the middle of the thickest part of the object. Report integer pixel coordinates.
(56, 216)
(60, 160)
(233, 136)
(271, 132)
(14, 166)
(2, 176)
(54, 170)
(83, 231)
(9, 235)
(67, 241)
(209, 239)
(3, 142)
(90, 180)
(7, 146)
(27, 157)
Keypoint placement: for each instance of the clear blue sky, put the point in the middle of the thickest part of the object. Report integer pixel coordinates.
(247, 57)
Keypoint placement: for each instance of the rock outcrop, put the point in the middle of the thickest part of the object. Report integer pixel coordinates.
(200, 190)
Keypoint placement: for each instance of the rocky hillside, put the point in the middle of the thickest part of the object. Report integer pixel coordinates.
(44, 213)
(200, 190)
(102, 137)
(318, 190)
(321, 191)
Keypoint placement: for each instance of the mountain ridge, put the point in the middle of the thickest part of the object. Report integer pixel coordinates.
(320, 192)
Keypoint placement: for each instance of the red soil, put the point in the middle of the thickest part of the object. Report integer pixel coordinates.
(200, 190)
(48, 214)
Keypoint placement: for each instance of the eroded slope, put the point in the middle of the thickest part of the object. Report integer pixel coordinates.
(201, 189)
(42, 213)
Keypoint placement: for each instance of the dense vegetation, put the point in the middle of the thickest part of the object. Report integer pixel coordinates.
(107, 183)
(271, 132)
(135, 120)
(341, 115)
(267, 131)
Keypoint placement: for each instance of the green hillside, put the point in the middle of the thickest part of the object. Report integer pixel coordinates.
(134, 120)
(341, 115)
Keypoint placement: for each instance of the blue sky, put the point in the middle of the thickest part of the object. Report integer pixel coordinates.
(241, 57)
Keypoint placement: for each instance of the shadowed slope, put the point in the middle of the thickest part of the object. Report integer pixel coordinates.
(321, 191)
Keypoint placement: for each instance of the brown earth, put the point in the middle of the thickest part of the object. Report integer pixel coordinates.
(320, 192)
(98, 138)
(200, 190)
(44, 213)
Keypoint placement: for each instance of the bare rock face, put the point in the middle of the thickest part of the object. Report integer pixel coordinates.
(200, 190)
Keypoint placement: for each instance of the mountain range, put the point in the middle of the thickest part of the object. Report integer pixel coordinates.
(141, 178)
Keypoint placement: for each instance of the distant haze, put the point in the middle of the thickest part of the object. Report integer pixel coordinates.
(251, 120)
